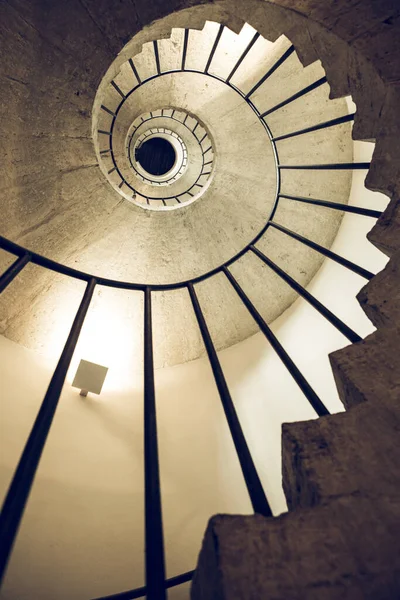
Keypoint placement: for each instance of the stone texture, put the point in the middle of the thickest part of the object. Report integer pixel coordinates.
(349, 460)
(369, 370)
(316, 456)
(341, 477)
(382, 43)
(361, 75)
(384, 174)
(63, 207)
(380, 298)
(385, 233)
(324, 553)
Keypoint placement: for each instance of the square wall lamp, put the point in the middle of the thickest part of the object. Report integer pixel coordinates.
(89, 377)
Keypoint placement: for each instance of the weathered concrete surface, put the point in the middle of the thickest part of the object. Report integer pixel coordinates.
(369, 370)
(385, 234)
(346, 466)
(384, 174)
(385, 166)
(316, 457)
(341, 477)
(61, 205)
(380, 298)
(305, 554)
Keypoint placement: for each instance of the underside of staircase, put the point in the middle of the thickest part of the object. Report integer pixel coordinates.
(340, 538)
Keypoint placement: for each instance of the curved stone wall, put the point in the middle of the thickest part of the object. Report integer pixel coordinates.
(84, 222)
(367, 47)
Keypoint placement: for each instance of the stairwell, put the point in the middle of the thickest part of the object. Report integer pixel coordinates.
(340, 472)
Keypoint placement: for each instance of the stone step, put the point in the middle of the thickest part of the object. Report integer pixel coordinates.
(380, 298)
(347, 454)
(344, 551)
(369, 370)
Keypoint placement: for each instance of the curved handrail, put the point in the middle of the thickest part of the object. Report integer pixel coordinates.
(141, 592)
(148, 134)
(112, 155)
(227, 82)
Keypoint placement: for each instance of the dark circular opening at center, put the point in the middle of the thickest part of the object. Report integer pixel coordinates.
(156, 155)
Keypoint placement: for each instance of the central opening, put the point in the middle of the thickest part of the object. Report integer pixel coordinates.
(156, 156)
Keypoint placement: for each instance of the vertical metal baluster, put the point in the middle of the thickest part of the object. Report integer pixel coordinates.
(357, 210)
(242, 57)
(157, 57)
(135, 71)
(325, 125)
(185, 47)
(118, 90)
(325, 251)
(155, 564)
(274, 67)
(323, 310)
(303, 92)
(18, 493)
(253, 483)
(359, 166)
(13, 270)
(303, 384)
(108, 111)
(214, 48)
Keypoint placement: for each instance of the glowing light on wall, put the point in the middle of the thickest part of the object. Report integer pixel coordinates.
(112, 333)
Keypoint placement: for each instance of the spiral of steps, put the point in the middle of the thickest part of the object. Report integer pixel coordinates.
(225, 92)
(237, 236)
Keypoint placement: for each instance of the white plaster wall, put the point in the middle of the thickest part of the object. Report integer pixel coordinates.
(84, 522)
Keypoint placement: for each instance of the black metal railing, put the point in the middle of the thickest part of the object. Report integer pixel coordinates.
(179, 198)
(109, 152)
(245, 96)
(19, 490)
(147, 134)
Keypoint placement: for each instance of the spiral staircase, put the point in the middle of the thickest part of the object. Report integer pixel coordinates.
(215, 264)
